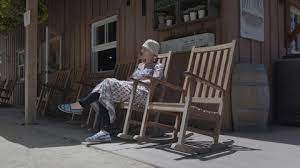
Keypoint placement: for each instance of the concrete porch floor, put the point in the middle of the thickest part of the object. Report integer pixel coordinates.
(56, 144)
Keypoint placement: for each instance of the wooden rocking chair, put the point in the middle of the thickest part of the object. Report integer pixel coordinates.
(78, 86)
(2, 83)
(7, 91)
(59, 84)
(163, 59)
(206, 81)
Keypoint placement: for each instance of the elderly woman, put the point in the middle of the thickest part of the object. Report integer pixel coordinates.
(111, 91)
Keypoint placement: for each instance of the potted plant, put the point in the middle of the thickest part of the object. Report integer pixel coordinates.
(201, 11)
(186, 15)
(161, 18)
(169, 20)
(193, 14)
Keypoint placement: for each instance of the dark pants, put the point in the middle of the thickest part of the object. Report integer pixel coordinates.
(103, 117)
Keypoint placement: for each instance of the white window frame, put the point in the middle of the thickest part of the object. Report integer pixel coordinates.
(102, 47)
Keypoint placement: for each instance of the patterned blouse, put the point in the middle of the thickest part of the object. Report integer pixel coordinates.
(143, 70)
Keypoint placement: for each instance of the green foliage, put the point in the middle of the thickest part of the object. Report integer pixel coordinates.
(11, 14)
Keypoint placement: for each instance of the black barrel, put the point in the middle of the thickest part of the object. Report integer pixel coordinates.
(287, 91)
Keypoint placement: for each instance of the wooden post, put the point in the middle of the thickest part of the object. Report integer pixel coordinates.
(31, 62)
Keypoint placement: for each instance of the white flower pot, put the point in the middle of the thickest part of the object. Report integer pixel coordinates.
(193, 15)
(169, 22)
(201, 13)
(186, 18)
(161, 19)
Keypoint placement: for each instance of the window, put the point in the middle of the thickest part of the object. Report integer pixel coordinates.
(21, 65)
(104, 44)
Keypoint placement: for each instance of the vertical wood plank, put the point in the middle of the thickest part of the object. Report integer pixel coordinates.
(245, 50)
(274, 30)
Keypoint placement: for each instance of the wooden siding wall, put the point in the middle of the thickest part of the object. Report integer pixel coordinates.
(73, 18)
(10, 44)
(251, 51)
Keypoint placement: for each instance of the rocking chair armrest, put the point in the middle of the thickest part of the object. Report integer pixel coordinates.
(204, 81)
(5, 90)
(165, 83)
(2, 97)
(136, 81)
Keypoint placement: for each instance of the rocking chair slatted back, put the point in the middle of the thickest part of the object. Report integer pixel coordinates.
(6, 94)
(62, 79)
(212, 64)
(123, 71)
(78, 84)
(165, 60)
(2, 83)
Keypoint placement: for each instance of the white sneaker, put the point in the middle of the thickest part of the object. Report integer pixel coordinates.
(101, 136)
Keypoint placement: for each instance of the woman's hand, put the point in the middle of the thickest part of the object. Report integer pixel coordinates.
(146, 81)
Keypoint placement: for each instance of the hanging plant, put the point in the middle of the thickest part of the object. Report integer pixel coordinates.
(11, 14)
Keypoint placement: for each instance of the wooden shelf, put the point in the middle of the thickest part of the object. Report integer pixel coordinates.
(165, 7)
(203, 20)
(212, 11)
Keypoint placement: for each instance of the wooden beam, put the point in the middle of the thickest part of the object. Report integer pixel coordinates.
(31, 63)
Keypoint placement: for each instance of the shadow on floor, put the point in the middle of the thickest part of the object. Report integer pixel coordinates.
(13, 131)
(204, 150)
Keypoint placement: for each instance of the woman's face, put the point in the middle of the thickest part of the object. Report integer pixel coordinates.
(147, 55)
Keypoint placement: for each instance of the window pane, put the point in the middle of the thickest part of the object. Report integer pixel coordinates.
(106, 59)
(112, 31)
(100, 35)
